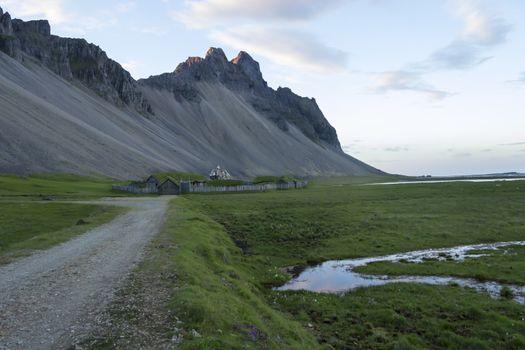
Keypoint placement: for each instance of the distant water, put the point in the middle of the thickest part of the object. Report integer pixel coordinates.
(337, 276)
(441, 181)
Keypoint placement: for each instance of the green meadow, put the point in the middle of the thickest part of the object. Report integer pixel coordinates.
(228, 250)
(29, 226)
(219, 255)
(33, 218)
(505, 265)
(55, 186)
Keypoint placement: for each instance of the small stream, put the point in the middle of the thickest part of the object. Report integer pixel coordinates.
(337, 276)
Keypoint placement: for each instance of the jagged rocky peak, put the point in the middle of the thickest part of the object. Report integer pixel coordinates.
(243, 76)
(215, 53)
(242, 71)
(248, 65)
(215, 62)
(188, 63)
(6, 27)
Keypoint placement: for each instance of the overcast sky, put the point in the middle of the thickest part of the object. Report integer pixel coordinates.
(412, 87)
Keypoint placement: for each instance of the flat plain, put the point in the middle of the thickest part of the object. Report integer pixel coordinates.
(216, 260)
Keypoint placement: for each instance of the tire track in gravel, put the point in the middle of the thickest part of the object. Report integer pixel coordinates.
(51, 298)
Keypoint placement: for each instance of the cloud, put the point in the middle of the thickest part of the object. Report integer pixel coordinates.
(396, 149)
(268, 29)
(512, 144)
(481, 27)
(210, 13)
(406, 81)
(53, 10)
(285, 47)
(463, 155)
(482, 31)
(350, 150)
(385, 161)
(457, 55)
(520, 80)
(131, 66)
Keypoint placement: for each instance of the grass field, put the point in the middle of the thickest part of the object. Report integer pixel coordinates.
(505, 265)
(25, 227)
(219, 255)
(55, 186)
(30, 219)
(228, 249)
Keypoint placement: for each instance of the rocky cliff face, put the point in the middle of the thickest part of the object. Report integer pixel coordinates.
(71, 59)
(6, 27)
(243, 75)
(8, 42)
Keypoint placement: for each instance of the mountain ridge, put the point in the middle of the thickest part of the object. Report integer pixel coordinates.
(208, 111)
(243, 74)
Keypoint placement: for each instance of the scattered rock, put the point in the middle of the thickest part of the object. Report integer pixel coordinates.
(195, 334)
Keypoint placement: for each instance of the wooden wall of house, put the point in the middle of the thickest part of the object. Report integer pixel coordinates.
(136, 188)
(169, 187)
(202, 188)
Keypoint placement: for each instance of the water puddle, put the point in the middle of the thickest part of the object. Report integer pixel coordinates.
(337, 276)
(444, 181)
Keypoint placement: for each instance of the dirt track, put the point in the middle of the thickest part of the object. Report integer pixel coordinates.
(53, 297)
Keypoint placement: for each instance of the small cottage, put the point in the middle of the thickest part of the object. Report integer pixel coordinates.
(219, 174)
(152, 180)
(169, 186)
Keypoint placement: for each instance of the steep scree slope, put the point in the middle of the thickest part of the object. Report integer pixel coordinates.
(66, 107)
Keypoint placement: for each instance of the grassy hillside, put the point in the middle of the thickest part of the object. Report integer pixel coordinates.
(179, 176)
(274, 179)
(218, 294)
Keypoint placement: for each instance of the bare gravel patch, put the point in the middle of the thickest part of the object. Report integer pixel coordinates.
(139, 317)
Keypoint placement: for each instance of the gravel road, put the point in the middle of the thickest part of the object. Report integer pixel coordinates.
(50, 299)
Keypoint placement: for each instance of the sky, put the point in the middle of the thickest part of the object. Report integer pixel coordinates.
(412, 87)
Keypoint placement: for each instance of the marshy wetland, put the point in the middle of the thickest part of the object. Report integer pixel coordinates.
(232, 251)
(339, 276)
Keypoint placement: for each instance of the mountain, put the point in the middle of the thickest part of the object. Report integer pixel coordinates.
(66, 107)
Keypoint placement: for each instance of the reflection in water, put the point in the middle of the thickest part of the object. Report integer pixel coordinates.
(338, 276)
